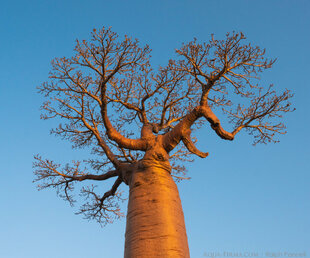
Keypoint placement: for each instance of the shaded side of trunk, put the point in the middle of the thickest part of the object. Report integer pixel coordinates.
(155, 221)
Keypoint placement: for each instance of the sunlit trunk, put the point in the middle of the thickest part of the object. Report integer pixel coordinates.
(155, 222)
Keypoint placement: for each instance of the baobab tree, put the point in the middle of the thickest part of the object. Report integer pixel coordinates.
(138, 121)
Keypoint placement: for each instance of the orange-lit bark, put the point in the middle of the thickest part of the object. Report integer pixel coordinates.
(155, 222)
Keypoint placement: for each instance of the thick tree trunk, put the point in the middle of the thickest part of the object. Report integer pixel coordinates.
(155, 221)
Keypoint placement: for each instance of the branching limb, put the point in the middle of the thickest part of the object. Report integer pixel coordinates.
(103, 209)
(75, 105)
(53, 176)
(47, 169)
(222, 67)
(63, 180)
(257, 118)
(181, 129)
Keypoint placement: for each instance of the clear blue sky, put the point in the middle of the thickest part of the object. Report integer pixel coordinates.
(241, 198)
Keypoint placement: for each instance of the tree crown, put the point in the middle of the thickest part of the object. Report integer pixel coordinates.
(111, 99)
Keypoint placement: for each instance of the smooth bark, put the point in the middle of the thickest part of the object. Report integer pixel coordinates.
(155, 221)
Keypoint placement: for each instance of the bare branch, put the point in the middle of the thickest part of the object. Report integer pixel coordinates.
(46, 169)
(102, 209)
(190, 145)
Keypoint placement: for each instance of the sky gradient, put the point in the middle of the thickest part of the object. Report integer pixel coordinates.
(240, 198)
